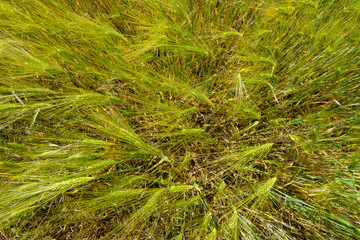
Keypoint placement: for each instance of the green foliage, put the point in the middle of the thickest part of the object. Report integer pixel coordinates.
(180, 119)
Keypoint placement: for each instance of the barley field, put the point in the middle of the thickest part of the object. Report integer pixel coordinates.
(180, 119)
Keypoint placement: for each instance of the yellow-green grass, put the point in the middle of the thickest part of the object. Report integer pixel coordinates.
(179, 119)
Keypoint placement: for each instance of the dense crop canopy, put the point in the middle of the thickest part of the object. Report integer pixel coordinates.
(179, 119)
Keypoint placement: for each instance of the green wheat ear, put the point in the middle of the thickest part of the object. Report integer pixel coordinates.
(261, 194)
(70, 183)
(212, 235)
